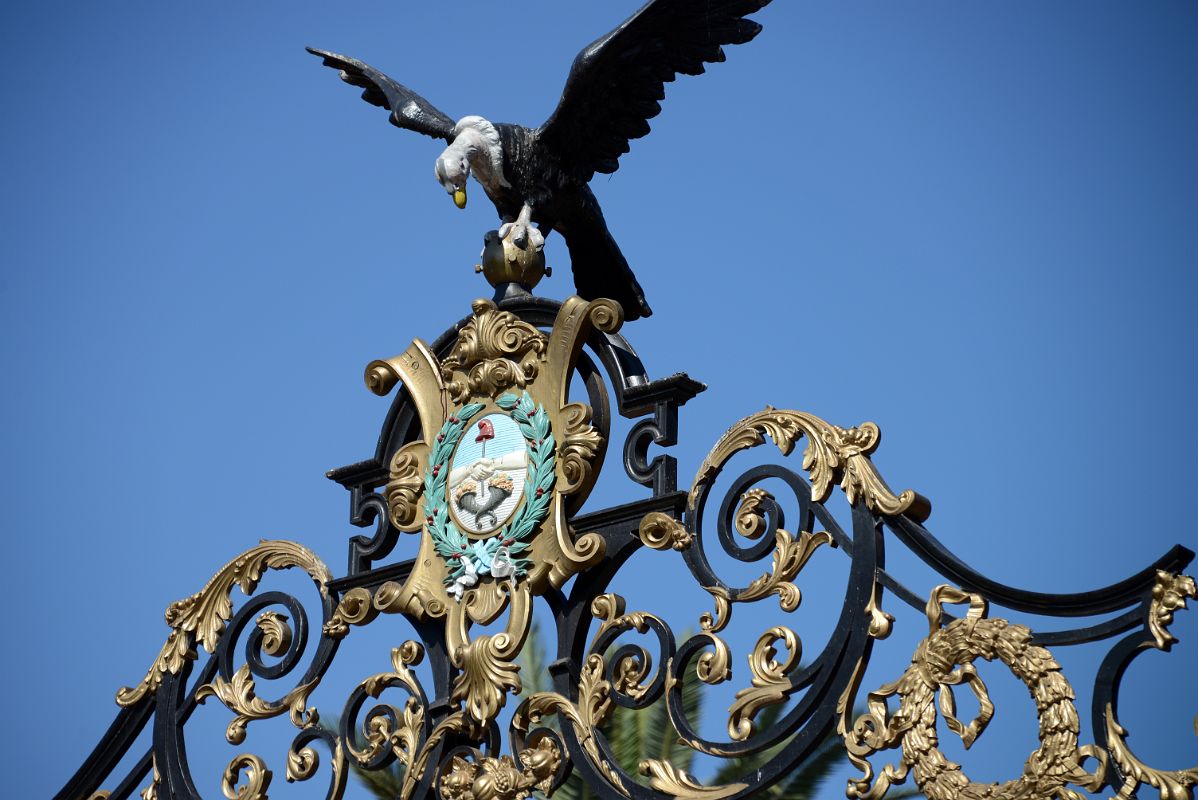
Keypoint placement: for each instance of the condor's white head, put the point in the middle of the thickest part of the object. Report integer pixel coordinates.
(476, 150)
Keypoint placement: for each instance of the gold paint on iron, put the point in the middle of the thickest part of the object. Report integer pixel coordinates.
(404, 741)
(496, 350)
(750, 515)
(593, 708)
(201, 618)
(945, 659)
(770, 681)
(457, 722)
(1169, 594)
(715, 666)
(303, 763)
(257, 778)
(488, 668)
(790, 555)
(832, 452)
(405, 485)
(580, 444)
(1172, 784)
(880, 622)
(276, 633)
(661, 531)
(356, 607)
(669, 779)
(238, 695)
(151, 791)
(500, 778)
(594, 691)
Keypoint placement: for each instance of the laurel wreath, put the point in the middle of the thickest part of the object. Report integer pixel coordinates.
(449, 542)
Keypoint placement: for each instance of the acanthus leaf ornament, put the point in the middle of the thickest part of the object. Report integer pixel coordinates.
(257, 778)
(1169, 594)
(770, 682)
(831, 452)
(201, 618)
(669, 779)
(495, 351)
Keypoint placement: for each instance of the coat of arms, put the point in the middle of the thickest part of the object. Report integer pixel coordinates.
(503, 459)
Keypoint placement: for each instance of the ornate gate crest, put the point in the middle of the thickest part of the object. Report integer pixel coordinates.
(493, 529)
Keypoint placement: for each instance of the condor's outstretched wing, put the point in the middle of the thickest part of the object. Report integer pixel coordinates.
(616, 82)
(408, 109)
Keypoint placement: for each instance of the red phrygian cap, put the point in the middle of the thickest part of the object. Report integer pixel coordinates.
(485, 431)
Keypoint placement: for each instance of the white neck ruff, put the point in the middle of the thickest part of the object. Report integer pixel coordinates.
(478, 140)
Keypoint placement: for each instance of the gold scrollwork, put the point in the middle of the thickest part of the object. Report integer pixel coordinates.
(500, 778)
(276, 633)
(770, 681)
(239, 696)
(594, 707)
(750, 516)
(790, 555)
(496, 350)
(1172, 784)
(831, 451)
(488, 668)
(945, 659)
(1169, 594)
(356, 607)
(405, 486)
(659, 531)
(303, 763)
(669, 779)
(580, 443)
(404, 741)
(201, 618)
(594, 691)
(457, 722)
(257, 778)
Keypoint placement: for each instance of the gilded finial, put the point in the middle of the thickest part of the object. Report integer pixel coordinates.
(505, 261)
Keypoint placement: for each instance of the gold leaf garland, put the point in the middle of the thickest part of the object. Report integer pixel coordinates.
(944, 659)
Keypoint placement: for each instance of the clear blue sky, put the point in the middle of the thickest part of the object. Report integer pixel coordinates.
(975, 224)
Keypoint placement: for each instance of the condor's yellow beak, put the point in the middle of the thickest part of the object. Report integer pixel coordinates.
(459, 198)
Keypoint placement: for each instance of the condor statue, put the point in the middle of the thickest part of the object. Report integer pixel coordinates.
(540, 175)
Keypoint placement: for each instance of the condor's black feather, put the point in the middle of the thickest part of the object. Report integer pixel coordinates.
(614, 88)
